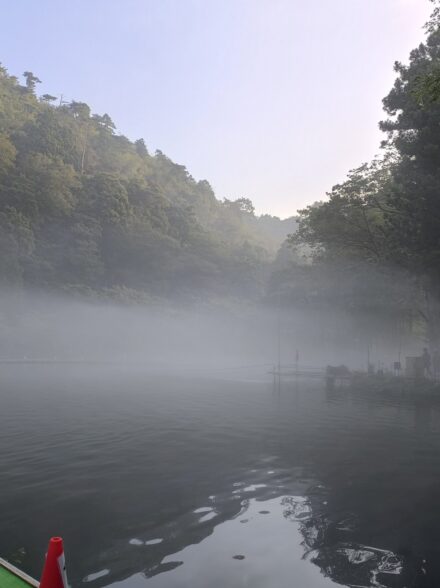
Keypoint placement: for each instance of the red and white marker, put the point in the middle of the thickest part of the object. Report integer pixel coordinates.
(54, 572)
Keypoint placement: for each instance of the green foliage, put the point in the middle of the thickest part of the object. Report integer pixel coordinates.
(7, 154)
(351, 224)
(413, 227)
(387, 214)
(31, 81)
(83, 208)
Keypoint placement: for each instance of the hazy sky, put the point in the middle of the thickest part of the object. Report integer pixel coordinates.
(270, 99)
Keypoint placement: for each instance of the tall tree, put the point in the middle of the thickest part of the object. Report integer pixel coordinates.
(31, 81)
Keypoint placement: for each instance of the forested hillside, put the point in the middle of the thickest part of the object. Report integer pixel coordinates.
(84, 209)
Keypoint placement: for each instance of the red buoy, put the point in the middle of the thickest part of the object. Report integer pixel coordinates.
(54, 572)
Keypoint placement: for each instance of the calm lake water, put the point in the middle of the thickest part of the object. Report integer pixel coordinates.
(180, 481)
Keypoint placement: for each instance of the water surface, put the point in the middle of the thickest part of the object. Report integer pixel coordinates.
(176, 480)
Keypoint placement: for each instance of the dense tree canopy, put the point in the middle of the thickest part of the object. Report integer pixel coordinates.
(84, 208)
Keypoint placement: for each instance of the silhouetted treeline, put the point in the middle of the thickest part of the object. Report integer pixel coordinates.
(85, 209)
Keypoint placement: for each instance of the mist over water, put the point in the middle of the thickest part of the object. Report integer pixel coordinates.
(205, 337)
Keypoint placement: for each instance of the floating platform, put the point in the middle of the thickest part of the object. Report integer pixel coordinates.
(12, 577)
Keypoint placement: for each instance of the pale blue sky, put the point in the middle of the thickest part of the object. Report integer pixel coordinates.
(270, 99)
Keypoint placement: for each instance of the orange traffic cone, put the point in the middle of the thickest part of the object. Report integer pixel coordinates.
(54, 572)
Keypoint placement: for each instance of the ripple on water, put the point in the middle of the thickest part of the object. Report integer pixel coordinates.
(154, 541)
(208, 517)
(96, 575)
(358, 565)
(296, 507)
(139, 542)
(254, 487)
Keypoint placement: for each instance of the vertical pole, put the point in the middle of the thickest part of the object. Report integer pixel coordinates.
(279, 332)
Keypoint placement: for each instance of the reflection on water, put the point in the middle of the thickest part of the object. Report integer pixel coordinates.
(166, 481)
(273, 550)
(252, 549)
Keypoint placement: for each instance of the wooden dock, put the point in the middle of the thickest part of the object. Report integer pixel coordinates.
(331, 376)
